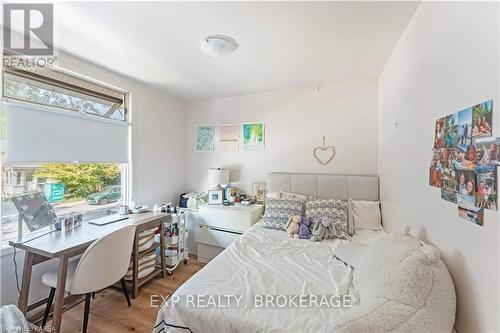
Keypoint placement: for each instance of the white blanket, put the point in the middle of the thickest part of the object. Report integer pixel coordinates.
(261, 262)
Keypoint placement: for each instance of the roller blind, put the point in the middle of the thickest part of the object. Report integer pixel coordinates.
(44, 134)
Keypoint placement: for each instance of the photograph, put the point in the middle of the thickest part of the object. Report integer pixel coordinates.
(464, 129)
(227, 138)
(68, 223)
(475, 215)
(205, 138)
(435, 177)
(252, 136)
(259, 192)
(439, 133)
(482, 119)
(486, 190)
(215, 197)
(466, 181)
(466, 160)
(449, 180)
(439, 158)
(467, 209)
(450, 196)
(451, 131)
(488, 153)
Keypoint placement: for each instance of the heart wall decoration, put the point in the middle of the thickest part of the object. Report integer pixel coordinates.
(324, 154)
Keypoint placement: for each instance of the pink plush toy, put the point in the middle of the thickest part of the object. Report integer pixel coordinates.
(292, 226)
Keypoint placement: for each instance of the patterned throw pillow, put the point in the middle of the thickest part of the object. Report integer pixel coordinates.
(278, 210)
(335, 209)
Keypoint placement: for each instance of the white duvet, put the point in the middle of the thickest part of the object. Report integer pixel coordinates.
(227, 294)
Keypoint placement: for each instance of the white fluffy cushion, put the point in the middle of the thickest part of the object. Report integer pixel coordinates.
(402, 288)
(366, 215)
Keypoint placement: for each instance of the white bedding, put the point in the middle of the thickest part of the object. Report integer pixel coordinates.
(262, 262)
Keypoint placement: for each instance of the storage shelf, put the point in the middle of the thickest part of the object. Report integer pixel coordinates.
(153, 247)
(153, 274)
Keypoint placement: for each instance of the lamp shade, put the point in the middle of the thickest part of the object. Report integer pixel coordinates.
(218, 176)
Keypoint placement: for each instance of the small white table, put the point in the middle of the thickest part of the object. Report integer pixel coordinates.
(221, 225)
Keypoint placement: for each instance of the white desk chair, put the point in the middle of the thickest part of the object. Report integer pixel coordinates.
(105, 262)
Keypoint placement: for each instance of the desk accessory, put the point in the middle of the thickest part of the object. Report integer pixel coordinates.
(139, 209)
(215, 197)
(35, 211)
(259, 192)
(124, 210)
(108, 219)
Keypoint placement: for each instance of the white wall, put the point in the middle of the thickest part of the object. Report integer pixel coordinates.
(158, 121)
(157, 158)
(447, 59)
(295, 122)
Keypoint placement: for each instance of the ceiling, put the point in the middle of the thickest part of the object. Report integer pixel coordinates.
(281, 44)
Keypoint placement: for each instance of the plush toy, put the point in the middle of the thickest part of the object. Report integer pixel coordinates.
(292, 226)
(322, 229)
(305, 228)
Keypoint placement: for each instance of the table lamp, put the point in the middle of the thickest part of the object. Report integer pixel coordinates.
(216, 177)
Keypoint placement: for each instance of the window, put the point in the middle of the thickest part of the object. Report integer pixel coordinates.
(89, 188)
(50, 119)
(64, 91)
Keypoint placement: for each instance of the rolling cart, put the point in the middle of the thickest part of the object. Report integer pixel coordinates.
(176, 250)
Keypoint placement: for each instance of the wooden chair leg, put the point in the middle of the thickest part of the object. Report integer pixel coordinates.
(49, 305)
(125, 291)
(86, 312)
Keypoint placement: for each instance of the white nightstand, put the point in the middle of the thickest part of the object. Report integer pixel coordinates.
(222, 225)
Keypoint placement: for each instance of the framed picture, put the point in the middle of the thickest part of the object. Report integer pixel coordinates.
(227, 137)
(205, 138)
(215, 197)
(252, 135)
(259, 192)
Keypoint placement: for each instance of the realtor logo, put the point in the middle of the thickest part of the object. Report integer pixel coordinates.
(28, 29)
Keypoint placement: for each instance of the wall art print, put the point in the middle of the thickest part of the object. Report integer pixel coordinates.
(252, 136)
(205, 138)
(227, 138)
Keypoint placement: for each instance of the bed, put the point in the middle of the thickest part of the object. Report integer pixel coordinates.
(262, 262)
(230, 293)
(268, 262)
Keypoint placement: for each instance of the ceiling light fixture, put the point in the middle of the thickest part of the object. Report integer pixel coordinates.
(216, 46)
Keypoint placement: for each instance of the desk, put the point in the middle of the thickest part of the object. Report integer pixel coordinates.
(64, 245)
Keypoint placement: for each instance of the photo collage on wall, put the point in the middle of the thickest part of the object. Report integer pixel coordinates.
(226, 137)
(465, 160)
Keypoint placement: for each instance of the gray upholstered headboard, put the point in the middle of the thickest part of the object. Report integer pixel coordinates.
(325, 186)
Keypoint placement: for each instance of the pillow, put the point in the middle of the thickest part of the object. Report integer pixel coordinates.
(278, 210)
(273, 195)
(366, 215)
(335, 209)
(293, 195)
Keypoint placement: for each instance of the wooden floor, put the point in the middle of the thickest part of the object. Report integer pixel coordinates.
(109, 312)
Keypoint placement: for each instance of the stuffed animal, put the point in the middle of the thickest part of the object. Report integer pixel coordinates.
(322, 229)
(305, 228)
(292, 226)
